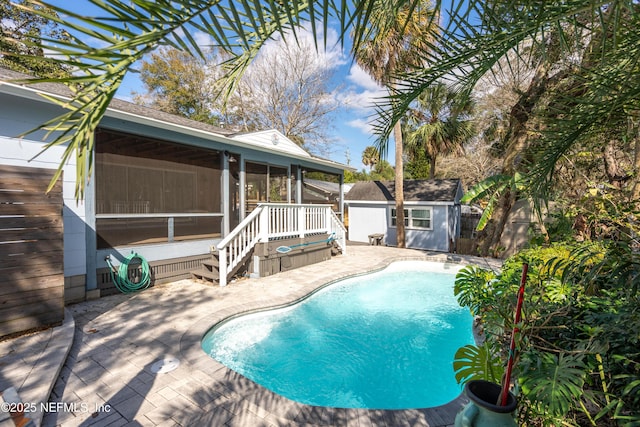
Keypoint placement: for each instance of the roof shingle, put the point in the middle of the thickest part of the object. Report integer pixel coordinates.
(415, 190)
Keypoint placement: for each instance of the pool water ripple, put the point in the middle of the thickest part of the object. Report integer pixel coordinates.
(385, 340)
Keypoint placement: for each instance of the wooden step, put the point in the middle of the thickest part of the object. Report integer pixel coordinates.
(206, 275)
(212, 264)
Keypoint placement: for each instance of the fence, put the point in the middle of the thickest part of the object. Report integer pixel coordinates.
(31, 250)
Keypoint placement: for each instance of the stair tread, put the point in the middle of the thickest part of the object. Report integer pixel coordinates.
(206, 274)
(214, 262)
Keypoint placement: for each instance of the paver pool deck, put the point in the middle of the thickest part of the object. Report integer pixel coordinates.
(106, 379)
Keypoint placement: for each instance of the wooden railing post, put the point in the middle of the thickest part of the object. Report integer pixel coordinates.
(328, 219)
(302, 220)
(222, 265)
(263, 223)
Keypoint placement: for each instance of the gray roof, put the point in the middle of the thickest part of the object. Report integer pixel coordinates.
(415, 190)
(119, 106)
(116, 104)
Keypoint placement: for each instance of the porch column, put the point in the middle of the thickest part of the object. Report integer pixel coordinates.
(299, 185)
(243, 188)
(341, 202)
(90, 238)
(289, 184)
(226, 209)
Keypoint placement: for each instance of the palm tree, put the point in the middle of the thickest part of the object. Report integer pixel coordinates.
(476, 36)
(394, 45)
(370, 157)
(440, 122)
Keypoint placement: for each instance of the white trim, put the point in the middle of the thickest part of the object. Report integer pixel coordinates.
(392, 203)
(158, 215)
(410, 218)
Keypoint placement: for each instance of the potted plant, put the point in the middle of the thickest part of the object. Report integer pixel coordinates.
(490, 404)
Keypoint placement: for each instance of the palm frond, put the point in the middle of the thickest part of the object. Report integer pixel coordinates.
(465, 51)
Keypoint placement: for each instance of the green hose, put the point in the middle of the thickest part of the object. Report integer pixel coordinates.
(122, 281)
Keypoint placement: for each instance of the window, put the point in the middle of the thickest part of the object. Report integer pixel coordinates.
(415, 218)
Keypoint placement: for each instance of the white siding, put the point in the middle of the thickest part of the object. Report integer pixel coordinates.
(365, 219)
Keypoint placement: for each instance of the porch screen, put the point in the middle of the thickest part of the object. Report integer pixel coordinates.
(150, 191)
(265, 183)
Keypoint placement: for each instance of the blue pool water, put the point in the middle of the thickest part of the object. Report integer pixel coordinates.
(380, 341)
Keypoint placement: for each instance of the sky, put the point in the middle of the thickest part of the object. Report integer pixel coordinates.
(351, 87)
(355, 91)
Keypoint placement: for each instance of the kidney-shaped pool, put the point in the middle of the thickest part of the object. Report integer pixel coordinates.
(384, 340)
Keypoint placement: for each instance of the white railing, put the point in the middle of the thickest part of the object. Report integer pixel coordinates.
(271, 221)
(234, 247)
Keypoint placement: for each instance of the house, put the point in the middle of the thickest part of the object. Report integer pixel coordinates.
(432, 212)
(163, 186)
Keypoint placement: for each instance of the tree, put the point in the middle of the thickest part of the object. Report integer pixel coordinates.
(417, 165)
(467, 47)
(370, 157)
(383, 171)
(21, 31)
(440, 123)
(176, 83)
(394, 43)
(599, 83)
(286, 88)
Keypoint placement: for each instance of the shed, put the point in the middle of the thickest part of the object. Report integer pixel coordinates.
(431, 207)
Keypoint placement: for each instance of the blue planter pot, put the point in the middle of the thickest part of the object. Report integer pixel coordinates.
(482, 411)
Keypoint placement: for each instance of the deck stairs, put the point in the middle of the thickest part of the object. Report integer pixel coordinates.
(268, 222)
(209, 271)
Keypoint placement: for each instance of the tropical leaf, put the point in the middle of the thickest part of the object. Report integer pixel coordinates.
(554, 382)
(473, 287)
(477, 363)
(489, 190)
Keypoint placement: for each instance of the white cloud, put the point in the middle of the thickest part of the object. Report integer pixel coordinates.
(329, 56)
(363, 125)
(361, 78)
(362, 102)
(362, 95)
(203, 39)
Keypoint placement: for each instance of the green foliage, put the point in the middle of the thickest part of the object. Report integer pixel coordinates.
(383, 171)
(478, 363)
(417, 167)
(473, 287)
(577, 361)
(552, 383)
(177, 84)
(489, 191)
(21, 30)
(351, 177)
(370, 156)
(440, 123)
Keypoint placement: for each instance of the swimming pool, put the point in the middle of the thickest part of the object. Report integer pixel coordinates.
(384, 340)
